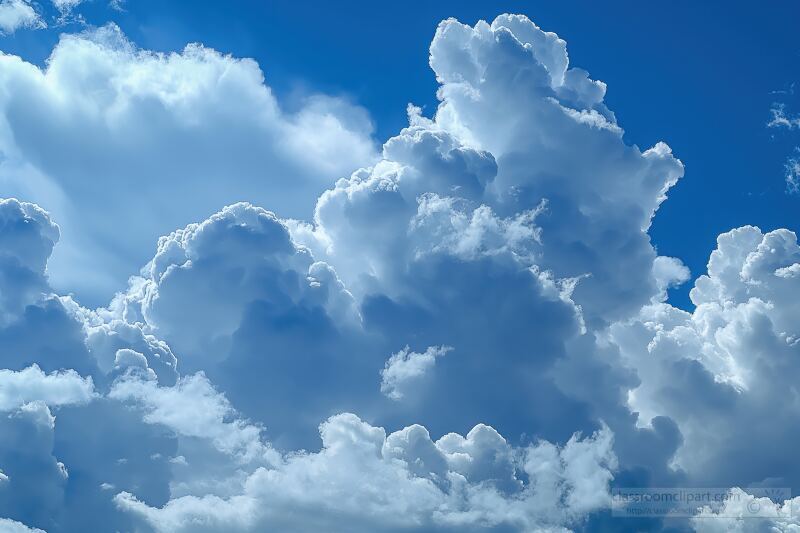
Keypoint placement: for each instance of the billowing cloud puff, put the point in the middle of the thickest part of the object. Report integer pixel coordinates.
(405, 368)
(27, 237)
(28, 234)
(235, 296)
(38, 328)
(507, 89)
(117, 345)
(34, 479)
(198, 286)
(280, 319)
(34, 325)
(364, 480)
(718, 370)
(154, 126)
(668, 272)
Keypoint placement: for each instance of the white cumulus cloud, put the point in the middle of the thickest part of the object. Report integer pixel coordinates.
(152, 128)
(16, 14)
(718, 370)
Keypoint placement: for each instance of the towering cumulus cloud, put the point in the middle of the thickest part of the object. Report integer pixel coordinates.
(471, 333)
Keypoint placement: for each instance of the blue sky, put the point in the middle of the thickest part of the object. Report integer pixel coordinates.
(436, 267)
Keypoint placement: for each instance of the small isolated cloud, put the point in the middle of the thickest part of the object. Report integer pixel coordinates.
(16, 14)
(781, 119)
(793, 172)
(65, 6)
(669, 272)
(405, 368)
